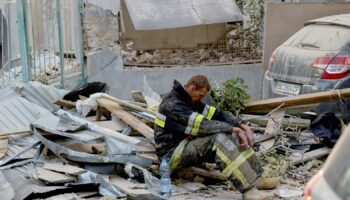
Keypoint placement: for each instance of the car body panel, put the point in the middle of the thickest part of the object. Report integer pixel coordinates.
(322, 191)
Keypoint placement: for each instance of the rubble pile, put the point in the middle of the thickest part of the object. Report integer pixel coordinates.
(238, 47)
(86, 144)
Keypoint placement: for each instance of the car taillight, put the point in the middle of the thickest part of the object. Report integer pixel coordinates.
(272, 58)
(334, 67)
(310, 185)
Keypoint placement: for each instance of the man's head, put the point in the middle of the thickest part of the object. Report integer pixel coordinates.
(197, 87)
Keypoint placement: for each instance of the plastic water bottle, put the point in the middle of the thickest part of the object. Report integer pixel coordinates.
(165, 181)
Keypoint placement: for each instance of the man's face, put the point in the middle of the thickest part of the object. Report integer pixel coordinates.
(196, 94)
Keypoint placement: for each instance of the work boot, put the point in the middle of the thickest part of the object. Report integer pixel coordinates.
(266, 183)
(255, 194)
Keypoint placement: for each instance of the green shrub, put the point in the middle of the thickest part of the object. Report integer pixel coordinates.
(232, 96)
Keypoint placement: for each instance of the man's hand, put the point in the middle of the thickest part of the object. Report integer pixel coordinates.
(249, 134)
(242, 138)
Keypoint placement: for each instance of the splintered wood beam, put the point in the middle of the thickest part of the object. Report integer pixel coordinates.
(3, 147)
(262, 120)
(127, 104)
(125, 116)
(15, 131)
(300, 100)
(311, 155)
(65, 103)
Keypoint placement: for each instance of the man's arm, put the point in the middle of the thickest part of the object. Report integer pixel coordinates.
(246, 134)
(196, 124)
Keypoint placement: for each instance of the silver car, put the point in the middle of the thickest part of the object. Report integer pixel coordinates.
(332, 182)
(314, 59)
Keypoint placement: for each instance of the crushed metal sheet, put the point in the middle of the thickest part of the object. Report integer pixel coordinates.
(67, 124)
(42, 95)
(18, 112)
(50, 122)
(155, 14)
(7, 92)
(10, 158)
(106, 188)
(18, 145)
(111, 155)
(102, 131)
(17, 177)
(7, 192)
(15, 149)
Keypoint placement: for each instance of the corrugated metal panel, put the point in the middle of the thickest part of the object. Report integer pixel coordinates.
(7, 93)
(155, 14)
(42, 95)
(18, 112)
(19, 144)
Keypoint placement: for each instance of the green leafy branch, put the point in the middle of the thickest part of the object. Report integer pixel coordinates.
(232, 97)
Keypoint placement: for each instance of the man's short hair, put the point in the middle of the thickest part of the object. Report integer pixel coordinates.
(199, 81)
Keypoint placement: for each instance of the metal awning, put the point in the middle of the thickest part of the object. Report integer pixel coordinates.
(166, 14)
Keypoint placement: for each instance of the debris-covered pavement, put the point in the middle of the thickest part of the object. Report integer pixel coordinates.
(90, 145)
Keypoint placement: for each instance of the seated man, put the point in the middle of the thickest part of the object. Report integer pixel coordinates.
(189, 132)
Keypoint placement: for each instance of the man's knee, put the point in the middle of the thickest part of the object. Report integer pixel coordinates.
(221, 137)
(225, 140)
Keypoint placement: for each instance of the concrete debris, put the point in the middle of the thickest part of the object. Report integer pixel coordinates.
(288, 192)
(63, 154)
(192, 186)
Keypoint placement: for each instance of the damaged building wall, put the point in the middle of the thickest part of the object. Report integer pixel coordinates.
(101, 30)
(108, 67)
(100, 24)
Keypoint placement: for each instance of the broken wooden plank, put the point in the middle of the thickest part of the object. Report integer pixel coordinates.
(67, 169)
(15, 131)
(53, 177)
(133, 190)
(304, 99)
(315, 154)
(128, 118)
(65, 103)
(124, 103)
(211, 174)
(112, 125)
(3, 147)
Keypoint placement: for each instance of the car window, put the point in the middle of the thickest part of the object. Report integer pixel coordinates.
(321, 37)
